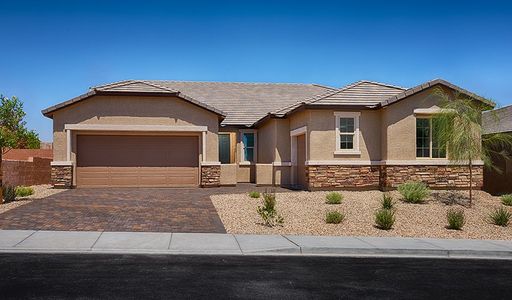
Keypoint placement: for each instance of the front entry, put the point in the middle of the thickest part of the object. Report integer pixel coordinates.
(301, 162)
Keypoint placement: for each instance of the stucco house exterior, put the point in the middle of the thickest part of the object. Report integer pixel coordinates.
(148, 133)
(498, 180)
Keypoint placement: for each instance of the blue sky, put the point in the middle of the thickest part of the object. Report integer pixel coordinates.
(51, 51)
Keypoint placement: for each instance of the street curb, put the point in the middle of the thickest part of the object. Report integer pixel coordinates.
(146, 243)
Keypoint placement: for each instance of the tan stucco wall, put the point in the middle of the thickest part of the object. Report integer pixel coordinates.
(399, 126)
(282, 176)
(299, 119)
(264, 174)
(267, 142)
(282, 151)
(134, 110)
(322, 136)
(228, 174)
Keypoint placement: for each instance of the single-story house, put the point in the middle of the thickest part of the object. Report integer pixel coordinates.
(148, 133)
(498, 180)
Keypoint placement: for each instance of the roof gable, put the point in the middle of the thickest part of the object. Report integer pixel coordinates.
(360, 93)
(131, 87)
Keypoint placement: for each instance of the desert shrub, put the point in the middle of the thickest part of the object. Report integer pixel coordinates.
(387, 201)
(24, 191)
(455, 218)
(506, 199)
(500, 216)
(254, 194)
(268, 211)
(414, 191)
(333, 198)
(334, 217)
(9, 193)
(384, 218)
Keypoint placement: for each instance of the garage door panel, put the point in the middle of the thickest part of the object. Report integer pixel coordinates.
(141, 161)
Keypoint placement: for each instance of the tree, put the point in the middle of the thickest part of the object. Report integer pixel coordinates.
(458, 129)
(13, 133)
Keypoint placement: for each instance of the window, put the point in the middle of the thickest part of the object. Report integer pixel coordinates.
(347, 132)
(224, 148)
(427, 144)
(248, 146)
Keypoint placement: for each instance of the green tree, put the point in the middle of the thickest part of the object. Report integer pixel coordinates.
(459, 131)
(13, 131)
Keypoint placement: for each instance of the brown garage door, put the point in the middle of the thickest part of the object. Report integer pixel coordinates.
(137, 161)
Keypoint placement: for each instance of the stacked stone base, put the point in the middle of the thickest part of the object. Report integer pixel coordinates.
(210, 176)
(62, 177)
(389, 177)
(346, 177)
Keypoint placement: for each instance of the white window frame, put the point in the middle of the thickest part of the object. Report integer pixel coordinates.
(430, 146)
(242, 152)
(354, 115)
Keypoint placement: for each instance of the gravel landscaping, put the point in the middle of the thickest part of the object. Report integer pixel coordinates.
(40, 191)
(304, 213)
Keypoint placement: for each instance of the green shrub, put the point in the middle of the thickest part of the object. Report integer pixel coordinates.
(9, 193)
(506, 199)
(387, 201)
(385, 218)
(24, 191)
(254, 194)
(333, 198)
(500, 216)
(268, 211)
(334, 217)
(455, 219)
(414, 192)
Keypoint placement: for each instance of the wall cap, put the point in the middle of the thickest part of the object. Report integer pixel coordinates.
(61, 163)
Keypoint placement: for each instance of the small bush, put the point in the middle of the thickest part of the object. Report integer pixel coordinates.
(268, 211)
(333, 198)
(455, 219)
(254, 194)
(9, 193)
(334, 217)
(414, 192)
(387, 201)
(385, 218)
(24, 191)
(506, 199)
(500, 216)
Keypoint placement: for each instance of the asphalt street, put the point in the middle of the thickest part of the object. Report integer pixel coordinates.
(91, 276)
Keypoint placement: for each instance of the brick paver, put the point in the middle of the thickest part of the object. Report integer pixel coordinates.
(123, 209)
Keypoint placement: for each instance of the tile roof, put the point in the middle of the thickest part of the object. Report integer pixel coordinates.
(361, 93)
(242, 103)
(497, 121)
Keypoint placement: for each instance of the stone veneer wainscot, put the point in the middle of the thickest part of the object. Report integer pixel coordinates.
(210, 176)
(62, 176)
(389, 177)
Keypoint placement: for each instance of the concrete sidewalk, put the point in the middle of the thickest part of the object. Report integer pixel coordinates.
(233, 244)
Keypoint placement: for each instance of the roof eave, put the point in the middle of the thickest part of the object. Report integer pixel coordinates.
(48, 112)
(432, 83)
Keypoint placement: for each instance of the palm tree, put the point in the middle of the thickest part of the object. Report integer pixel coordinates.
(458, 129)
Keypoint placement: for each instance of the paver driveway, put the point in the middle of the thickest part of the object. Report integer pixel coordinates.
(119, 209)
(123, 209)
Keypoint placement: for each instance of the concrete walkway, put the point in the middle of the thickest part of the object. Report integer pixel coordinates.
(229, 244)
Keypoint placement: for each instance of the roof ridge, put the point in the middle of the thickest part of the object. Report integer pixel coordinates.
(243, 82)
(113, 84)
(384, 84)
(158, 86)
